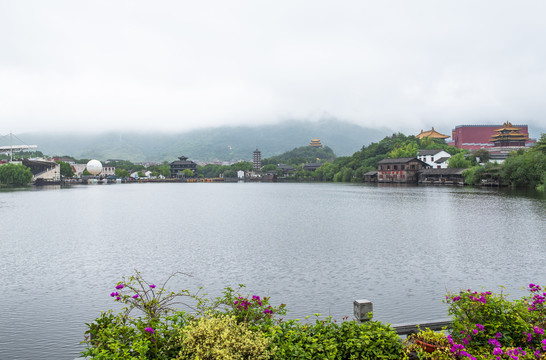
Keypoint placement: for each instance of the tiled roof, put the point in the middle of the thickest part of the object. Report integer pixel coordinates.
(398, 160)
(429, 152)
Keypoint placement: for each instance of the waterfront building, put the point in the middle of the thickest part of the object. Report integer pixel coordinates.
(286, 169)
(257, 159)
(475, 137)
(43, 170)
(311, 166)
(441, 176)
(435, 158)
(178, 166)
(399, 170)
(433, 134)
(315, 143)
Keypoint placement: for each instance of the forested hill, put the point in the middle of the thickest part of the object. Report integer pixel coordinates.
(302, 155)
(223, 143)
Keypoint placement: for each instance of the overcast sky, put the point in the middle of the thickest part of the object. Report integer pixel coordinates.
(180, 65)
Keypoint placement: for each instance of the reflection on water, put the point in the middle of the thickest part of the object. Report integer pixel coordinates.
(315, 247)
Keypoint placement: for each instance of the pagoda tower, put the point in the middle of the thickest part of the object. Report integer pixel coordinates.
(508, 135)
(257, 159)
(315, 143)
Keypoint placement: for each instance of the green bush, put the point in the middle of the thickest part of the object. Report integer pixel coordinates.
(222, 338)
(327, 339)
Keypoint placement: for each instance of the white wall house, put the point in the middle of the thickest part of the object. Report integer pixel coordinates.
(435, 158)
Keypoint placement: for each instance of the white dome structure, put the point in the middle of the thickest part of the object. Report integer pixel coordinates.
(94, 167)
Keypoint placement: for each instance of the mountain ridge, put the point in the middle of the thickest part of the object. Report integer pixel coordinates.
(227, 143)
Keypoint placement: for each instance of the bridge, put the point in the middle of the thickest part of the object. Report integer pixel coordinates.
(12, 148)
(9, 149)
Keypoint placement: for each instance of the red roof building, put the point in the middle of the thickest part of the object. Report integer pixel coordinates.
(475, 137)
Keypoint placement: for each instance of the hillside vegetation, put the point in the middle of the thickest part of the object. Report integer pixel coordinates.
(223, 143)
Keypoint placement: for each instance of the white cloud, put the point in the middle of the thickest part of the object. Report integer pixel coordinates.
(174, 65)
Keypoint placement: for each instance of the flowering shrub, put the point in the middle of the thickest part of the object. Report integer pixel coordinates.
(120, 336)
(137, 293)
(251, 309)
(488, 326)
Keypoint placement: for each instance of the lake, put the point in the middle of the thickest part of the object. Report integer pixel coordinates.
(315, 247)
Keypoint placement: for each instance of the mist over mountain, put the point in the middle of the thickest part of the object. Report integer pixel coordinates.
(222, 143)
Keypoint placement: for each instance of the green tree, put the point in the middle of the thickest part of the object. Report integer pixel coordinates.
(458, 161)
(527, 169)
(482, 154)
(540, 145)
(408, 150)
(230, 173)
(242, 165)
(187, 173)
(15, 175)
(66, 169)
(122, 173)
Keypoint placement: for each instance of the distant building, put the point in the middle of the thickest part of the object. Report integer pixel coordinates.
(435, 158)
(257, 159)
(509, 135)
(286, 169)
(475, 137)
(178, 166)
(311, 166)
(315, 143)
(433, 134)
(65, 159)
(441, 176)
(399, 170)
(43, 170)
(106, 170)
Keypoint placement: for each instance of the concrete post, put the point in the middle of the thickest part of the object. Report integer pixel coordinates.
(361, 309)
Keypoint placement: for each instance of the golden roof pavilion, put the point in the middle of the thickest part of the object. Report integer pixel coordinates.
(315, 143)
(431, 134)
(509, 135)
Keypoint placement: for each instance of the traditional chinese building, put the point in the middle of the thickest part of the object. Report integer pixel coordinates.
(315, 143)
(399, 170)
(509, 135)
(475, 137)
(433, 134)
(257, 159)
(178, 166)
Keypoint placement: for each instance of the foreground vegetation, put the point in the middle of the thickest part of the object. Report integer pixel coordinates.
(243, 326)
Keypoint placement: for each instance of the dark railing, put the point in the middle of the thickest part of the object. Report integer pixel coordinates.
(363, 307)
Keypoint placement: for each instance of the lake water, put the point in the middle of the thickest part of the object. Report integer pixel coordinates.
(315, 247)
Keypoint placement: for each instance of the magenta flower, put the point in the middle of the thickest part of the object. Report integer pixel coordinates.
(118, 298)
(120, 286)
(494, 342)
(150, 330)
(479, 326)
(152, 286)
(135, 296)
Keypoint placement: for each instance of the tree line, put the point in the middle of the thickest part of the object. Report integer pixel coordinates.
(521, 168)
